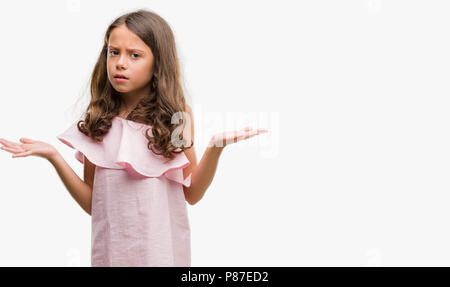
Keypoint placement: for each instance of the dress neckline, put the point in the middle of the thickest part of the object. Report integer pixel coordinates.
(121, 118)
(130, 121)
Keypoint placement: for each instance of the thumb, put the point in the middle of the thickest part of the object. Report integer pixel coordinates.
(26, 140)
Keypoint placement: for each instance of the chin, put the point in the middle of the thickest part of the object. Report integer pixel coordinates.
(120, 89)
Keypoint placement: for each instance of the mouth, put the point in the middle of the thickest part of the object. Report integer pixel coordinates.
(120, 78)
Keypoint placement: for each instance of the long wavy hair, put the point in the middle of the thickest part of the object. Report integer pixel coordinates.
(165, 97)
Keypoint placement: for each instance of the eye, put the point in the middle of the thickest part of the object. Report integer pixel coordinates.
(137, 55)
(111, 51)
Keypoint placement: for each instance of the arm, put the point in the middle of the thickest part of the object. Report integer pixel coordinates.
(80, 190)
(203, 174)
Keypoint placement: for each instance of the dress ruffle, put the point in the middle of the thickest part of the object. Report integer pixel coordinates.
(125, 147)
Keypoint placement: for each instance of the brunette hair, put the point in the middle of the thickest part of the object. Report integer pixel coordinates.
(166, 95)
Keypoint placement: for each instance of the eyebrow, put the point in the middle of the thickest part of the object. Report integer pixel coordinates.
(110, 46)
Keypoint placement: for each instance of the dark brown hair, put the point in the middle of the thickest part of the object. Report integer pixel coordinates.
(166, 95)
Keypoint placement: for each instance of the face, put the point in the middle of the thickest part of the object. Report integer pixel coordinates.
(130, 56)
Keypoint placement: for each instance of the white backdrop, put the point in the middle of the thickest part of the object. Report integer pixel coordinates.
(355, 95)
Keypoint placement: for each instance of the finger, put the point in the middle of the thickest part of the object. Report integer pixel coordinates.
(259, 131)
(27, 140)
(8, 143)
(11, 149)
(248, 136)
(5, 141)
(244, 134)
(241, 136)
(251, 134)
(23, 154)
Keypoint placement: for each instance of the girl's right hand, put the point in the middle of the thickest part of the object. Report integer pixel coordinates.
(29, 147)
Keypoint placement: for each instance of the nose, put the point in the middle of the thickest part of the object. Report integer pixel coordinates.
(121, 62)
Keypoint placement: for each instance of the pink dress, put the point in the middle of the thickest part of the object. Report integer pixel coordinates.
(139, 211)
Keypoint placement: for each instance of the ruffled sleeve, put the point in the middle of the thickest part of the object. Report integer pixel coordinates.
(125, 147)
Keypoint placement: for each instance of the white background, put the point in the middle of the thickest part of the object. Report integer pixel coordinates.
(353, 172)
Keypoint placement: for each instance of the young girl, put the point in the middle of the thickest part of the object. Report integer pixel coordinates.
(136, 143)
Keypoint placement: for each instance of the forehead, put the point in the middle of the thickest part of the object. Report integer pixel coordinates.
(122, 36)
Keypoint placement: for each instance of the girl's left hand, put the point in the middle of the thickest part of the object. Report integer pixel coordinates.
(222, 139)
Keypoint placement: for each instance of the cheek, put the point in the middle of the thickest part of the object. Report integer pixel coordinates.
(142, 73)
(109, 66)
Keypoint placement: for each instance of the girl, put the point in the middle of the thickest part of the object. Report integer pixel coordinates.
(139, 167)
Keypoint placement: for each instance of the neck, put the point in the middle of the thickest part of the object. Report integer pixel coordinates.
(131, 99)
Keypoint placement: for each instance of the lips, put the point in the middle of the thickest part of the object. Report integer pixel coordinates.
(120, 76)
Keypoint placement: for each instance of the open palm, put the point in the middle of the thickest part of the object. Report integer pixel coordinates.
(28, 147)
(228, 137)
